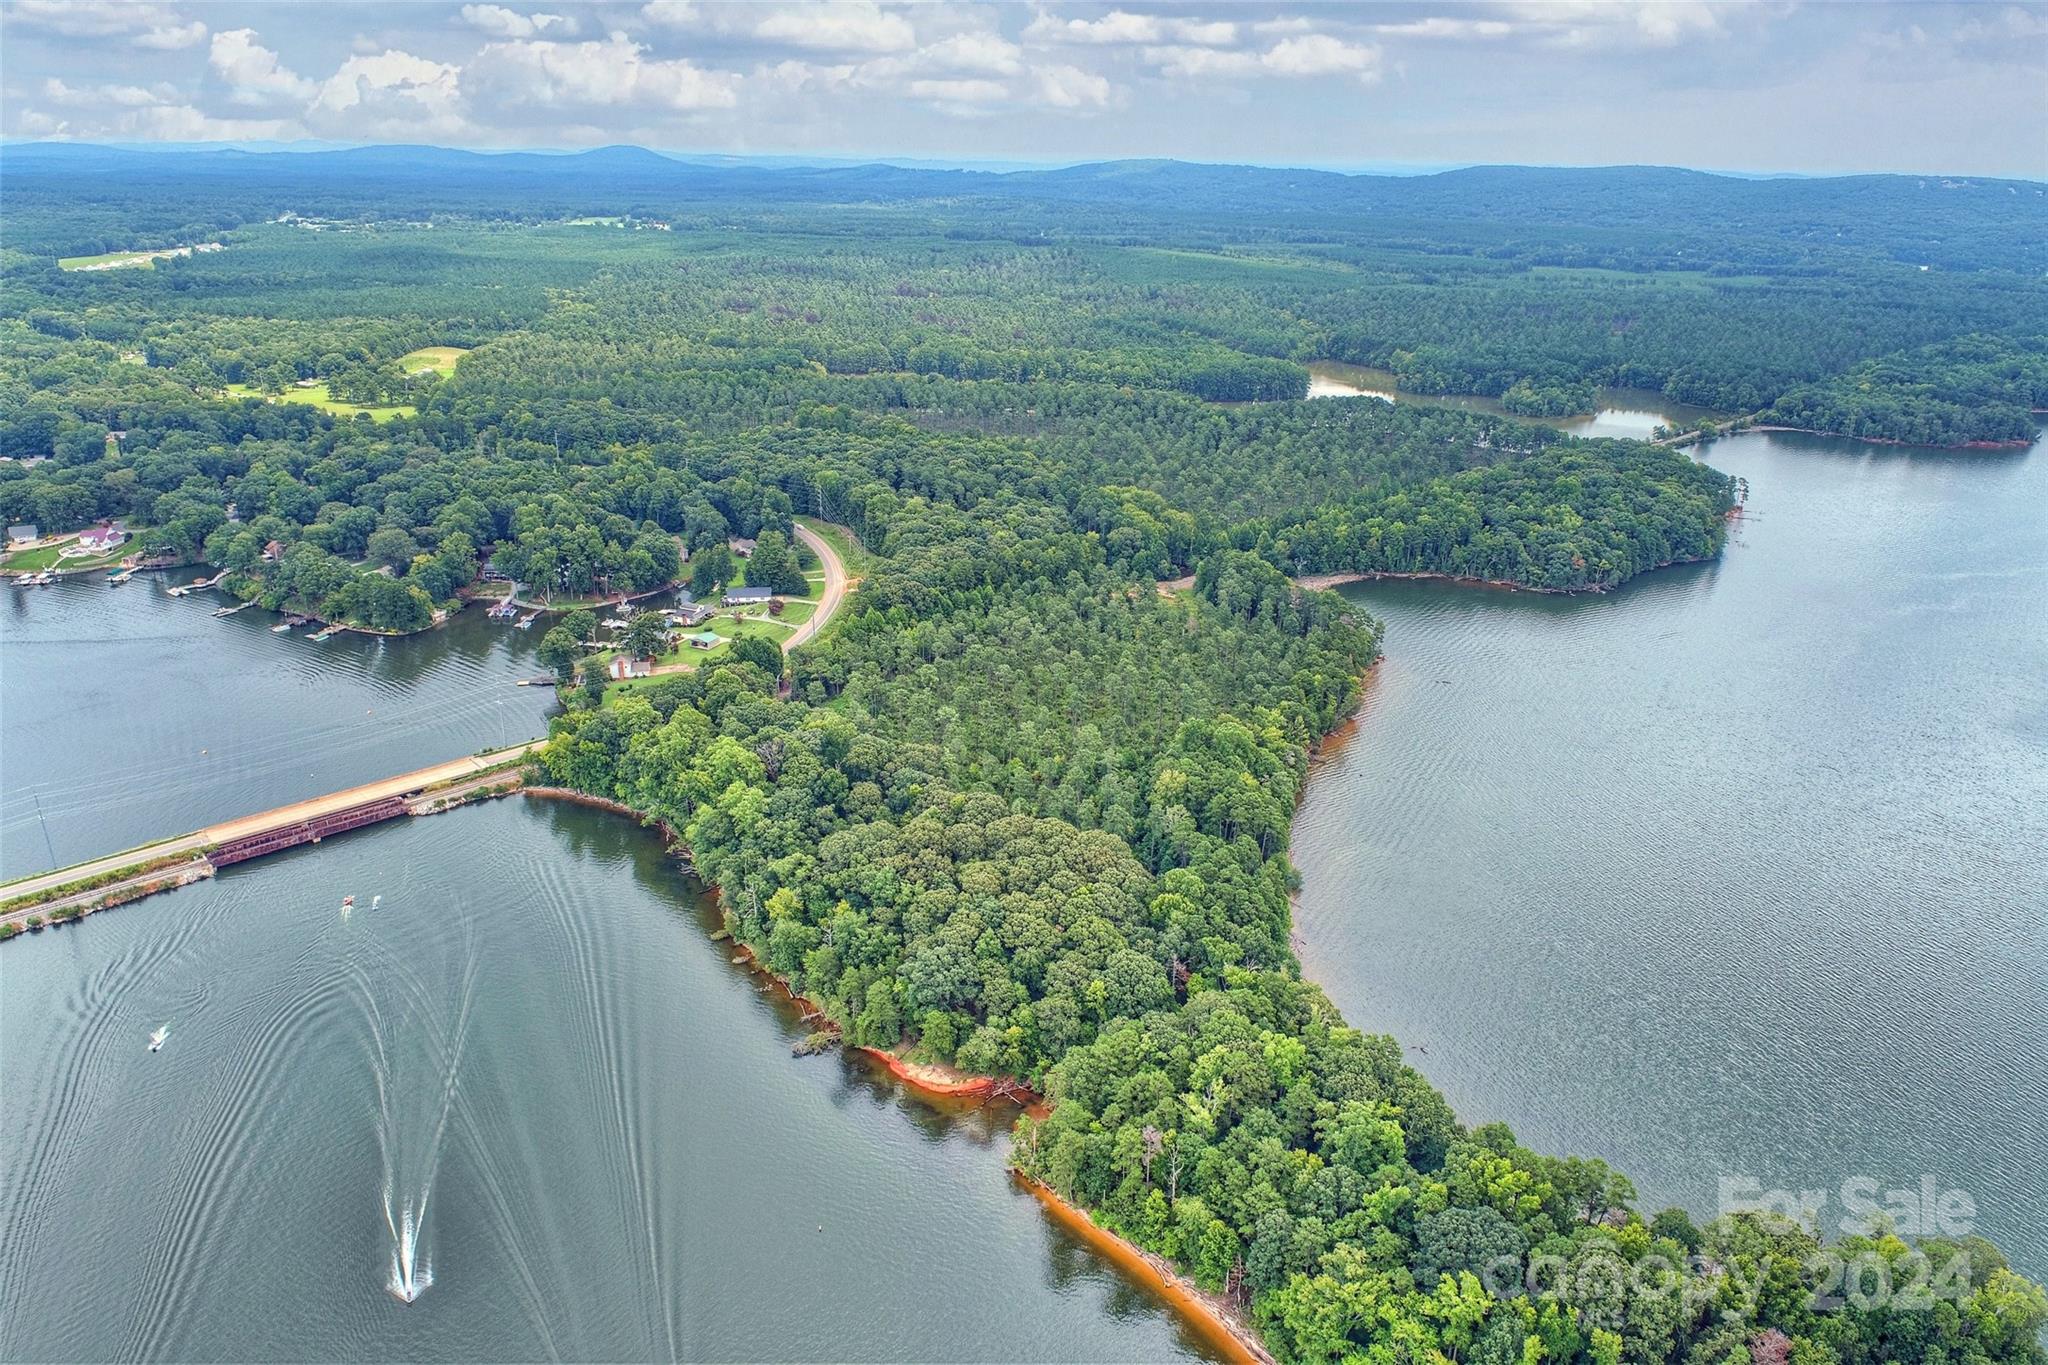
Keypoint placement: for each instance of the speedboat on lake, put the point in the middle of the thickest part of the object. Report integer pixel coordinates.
(156, 1040)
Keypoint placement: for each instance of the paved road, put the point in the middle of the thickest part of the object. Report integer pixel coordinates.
(835, 586)
(270, 819)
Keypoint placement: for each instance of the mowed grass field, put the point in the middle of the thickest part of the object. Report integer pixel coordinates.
(316, 395)
(440, 359)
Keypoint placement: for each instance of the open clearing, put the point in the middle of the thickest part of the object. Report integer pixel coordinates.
(440, 359)
(316, 395)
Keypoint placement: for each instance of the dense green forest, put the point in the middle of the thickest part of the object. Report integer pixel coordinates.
(1024, 808)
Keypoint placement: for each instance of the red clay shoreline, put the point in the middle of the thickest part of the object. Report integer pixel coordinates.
(1219, 1326)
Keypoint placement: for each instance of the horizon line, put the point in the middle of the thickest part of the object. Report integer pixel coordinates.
(989, 165)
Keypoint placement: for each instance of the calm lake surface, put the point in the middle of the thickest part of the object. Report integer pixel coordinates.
(1633, 413)
(533, 1039)
(1740, 871)
(130, 715)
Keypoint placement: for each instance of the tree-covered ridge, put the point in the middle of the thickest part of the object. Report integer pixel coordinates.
(1565, 519)
(1026, 815)
(1975, 388)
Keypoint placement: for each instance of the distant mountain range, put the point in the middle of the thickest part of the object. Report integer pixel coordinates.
(1948, 220)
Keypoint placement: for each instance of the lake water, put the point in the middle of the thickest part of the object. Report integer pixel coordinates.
(532, 1038)
(1632, 413)
(1737, 871)
(131, 715)
(1740, 871)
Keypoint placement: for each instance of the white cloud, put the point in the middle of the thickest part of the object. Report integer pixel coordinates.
(971, 90)
(392, 94)
(614, 72)
(1616, 23)
(140, 114)
(145, 24)
(1197, 63)
(100, 96)
(1117, 26)
(1214, 33)
(254, 72)
(1123, 27)
(1439, 26)
(1069, 87)
(670, 13)
(1318, 54)
(989, 52)
(500, 22)
(1308, 55)
(839, 26)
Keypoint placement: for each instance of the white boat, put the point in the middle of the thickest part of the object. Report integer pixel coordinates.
(156, 1040)
(376, 901)
(280, 628)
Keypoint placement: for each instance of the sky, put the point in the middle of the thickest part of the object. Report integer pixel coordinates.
(1772, 86)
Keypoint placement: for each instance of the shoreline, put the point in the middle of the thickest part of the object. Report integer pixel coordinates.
(1694, 438)
(1319, 582)
(1219, 1325)
(1235, 1339)
(1325, 581)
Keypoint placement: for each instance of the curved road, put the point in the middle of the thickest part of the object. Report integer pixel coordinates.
(835, 586)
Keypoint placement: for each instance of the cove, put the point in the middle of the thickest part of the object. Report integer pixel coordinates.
(132, 715)
(1736, 871)
(1630, 413)
(531, 1035)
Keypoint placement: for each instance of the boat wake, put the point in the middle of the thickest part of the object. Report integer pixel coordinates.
(417, 1061)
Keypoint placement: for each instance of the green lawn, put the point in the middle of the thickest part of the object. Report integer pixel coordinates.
(316, 395)
(440, 359)
(48, 557)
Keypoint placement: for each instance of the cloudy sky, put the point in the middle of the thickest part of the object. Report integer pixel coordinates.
(1813, 87)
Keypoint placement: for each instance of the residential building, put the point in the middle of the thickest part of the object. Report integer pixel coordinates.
(102, 540)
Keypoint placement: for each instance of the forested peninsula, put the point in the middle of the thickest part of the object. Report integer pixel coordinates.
(1023, 809)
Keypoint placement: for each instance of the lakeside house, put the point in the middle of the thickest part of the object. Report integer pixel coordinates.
(746, 597)
(622, 668)
(695, 614)
(704, 639)
(22, 534)
(741, 546)
(103, 539)
(273, 551)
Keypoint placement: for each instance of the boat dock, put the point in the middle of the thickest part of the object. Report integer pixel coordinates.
(198, 584)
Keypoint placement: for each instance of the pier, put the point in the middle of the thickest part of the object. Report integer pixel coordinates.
(189, 857)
